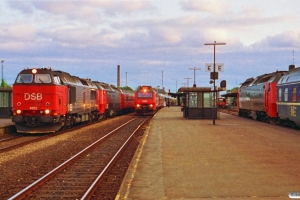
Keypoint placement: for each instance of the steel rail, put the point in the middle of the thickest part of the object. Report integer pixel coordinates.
(94, 185)
(10, 138)
(62, 166)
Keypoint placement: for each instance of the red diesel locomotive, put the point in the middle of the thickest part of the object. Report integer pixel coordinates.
(257, 97)
(146, 100)
(45, 100)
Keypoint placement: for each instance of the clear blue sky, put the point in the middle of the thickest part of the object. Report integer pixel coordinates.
(155, 42)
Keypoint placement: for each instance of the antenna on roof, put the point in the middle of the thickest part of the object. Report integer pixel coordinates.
(293, 58)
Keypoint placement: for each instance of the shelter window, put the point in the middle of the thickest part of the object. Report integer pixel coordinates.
(42, 78)
(4, 99)
(193, 100)
(25, 78)
(286, 90)
(294, 94)
(208, 100)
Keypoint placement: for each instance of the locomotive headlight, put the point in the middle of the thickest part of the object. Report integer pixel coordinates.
(47, 111)
(34, 71)
(151, 105)
(138, 105)
(19, 112)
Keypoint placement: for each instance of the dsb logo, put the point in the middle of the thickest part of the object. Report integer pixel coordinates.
(33, 96)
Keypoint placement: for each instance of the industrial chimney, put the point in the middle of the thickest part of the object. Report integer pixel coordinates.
(118, 77)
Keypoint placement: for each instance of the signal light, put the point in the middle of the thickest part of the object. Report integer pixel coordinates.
(34, 71)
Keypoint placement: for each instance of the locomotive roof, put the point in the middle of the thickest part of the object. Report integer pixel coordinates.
(291, 76)
(65, 77)
(265, 78)
(103, 85)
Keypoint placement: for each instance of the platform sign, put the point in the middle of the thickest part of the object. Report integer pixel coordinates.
(209, 67)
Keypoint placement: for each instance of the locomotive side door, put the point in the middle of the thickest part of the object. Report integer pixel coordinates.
(270, 99)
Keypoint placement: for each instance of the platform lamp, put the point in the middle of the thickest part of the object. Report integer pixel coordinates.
(214, 77)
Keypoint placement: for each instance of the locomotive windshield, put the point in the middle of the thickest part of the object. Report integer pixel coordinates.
(42, 78)
(144, 94)
(24, 78)
(38, 78)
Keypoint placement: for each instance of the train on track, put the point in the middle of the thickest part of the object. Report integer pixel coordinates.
(46, 100)
(147, 100)
(273, 97)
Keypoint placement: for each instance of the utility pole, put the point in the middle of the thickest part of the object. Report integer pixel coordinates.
(162, 81)
(188, 81)
(214, 77)
(195, 74)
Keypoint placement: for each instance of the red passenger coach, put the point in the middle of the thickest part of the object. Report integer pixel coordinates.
(145, 100)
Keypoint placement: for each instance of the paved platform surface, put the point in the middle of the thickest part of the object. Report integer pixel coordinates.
(6, 126)
(6, 122)
(236, 158)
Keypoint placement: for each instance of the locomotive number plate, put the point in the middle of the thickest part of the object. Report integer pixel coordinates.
(33, 108)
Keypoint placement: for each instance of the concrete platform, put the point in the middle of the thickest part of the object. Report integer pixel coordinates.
(193, 159)
(6, 126)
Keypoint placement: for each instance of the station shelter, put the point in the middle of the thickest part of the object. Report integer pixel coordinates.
(199, 103)
(5, 102)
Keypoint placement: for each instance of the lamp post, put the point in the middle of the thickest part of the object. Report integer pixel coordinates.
(2, 61)
(188, 81)
(214, 77)
(194, 74)
(126, 78)
(162, 80)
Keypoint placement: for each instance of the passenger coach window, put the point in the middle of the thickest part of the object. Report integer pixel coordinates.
(294, 94)
(279, 95)
(42, 78)
(298, 93)
(25, 78)
(286, 94)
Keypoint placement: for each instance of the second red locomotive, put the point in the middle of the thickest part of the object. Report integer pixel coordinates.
(146, 100)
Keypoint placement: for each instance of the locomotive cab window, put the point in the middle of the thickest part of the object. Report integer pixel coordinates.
(57, 80)
(24, 78)
(42, 78)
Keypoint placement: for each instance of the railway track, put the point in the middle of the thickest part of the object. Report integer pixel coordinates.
(19, 140)
(228, 111)
(80, 176)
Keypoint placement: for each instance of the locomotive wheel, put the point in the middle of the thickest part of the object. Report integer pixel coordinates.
(69, 122)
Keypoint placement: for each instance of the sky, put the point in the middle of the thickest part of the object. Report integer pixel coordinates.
(155, 42)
